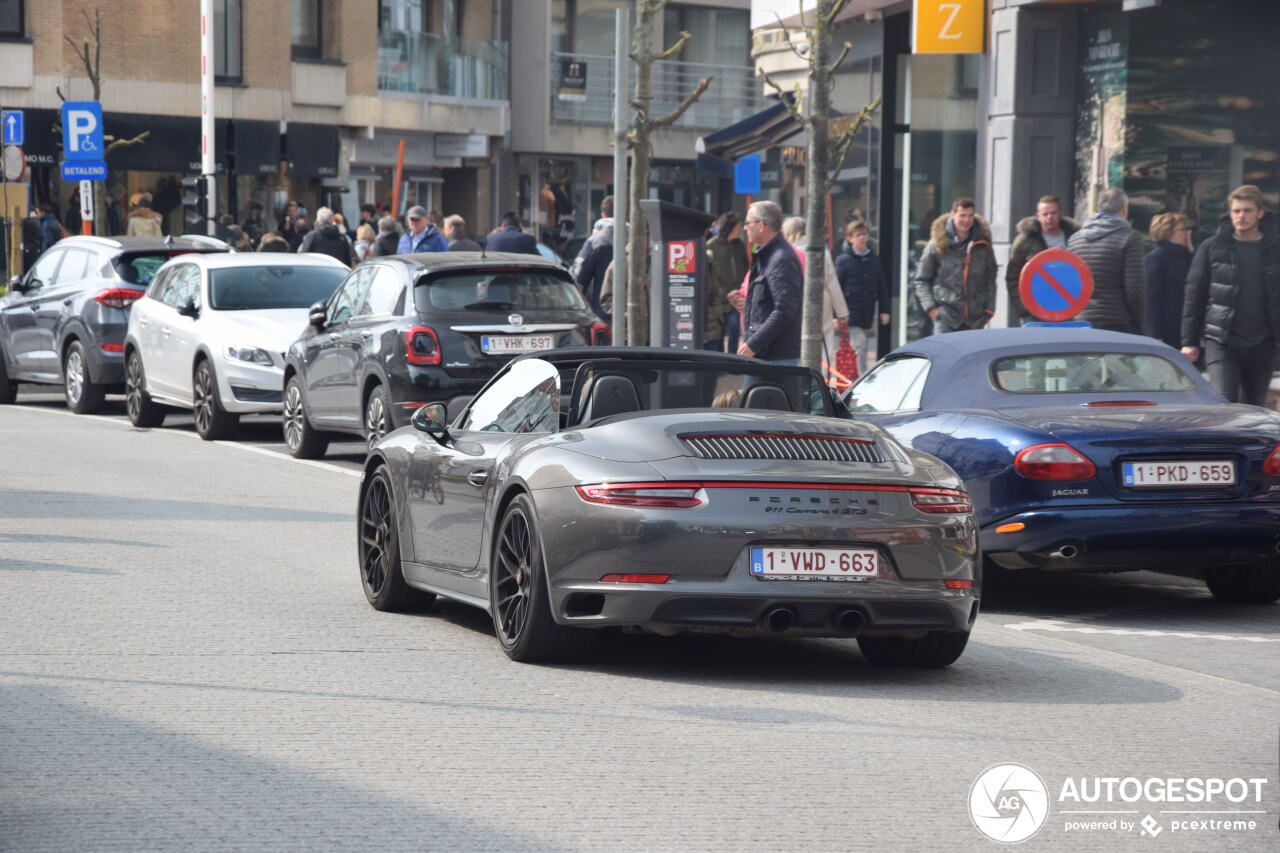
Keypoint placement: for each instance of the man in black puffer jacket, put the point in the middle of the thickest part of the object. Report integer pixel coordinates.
(1233, 300)
(326, 239)
(773, 291)
(1113, 251)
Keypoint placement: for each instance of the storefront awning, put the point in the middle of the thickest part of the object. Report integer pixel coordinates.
(717, 152)
(312, 150)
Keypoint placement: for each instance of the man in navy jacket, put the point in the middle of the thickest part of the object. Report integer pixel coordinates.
(774, 289)
(511, 238)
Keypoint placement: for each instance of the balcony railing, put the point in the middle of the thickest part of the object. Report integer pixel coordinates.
(430, 64)
(733, 95)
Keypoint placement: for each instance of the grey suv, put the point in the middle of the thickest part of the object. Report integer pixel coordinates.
(63, 322)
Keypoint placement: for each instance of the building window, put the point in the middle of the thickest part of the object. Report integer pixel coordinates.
(227, 40)
(11, 19)
(306, 28)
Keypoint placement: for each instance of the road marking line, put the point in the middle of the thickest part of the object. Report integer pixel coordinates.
(116, 421)
(1065, 627)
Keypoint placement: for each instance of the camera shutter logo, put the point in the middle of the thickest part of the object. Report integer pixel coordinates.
(1008, 803)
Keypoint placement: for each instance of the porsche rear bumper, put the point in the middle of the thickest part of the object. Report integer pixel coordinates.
(1122, 538)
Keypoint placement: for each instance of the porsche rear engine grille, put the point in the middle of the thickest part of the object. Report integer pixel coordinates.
(814, 448)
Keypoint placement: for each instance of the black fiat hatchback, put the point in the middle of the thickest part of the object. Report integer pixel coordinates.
(405, 330)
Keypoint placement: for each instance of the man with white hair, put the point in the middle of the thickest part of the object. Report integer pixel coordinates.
(774, 288)
(326, 239)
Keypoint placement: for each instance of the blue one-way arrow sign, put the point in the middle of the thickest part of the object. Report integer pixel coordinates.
(13, 127)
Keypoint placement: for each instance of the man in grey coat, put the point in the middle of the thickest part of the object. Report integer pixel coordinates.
(1114, 253)
(956, 277)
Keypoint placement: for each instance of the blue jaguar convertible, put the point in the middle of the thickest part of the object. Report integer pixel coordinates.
(1091, 451)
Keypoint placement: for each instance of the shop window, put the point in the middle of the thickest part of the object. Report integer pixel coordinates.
(306, 28)
(11, 19)
(227, 40)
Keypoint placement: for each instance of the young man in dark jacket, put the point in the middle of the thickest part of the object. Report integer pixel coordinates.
(1048, 229)
(956, 276)
(1113, 251)
(1233, 300)
(326, 239)
(863, 283)
(774, 291)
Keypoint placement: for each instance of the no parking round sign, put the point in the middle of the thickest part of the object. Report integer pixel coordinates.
(1055, 285)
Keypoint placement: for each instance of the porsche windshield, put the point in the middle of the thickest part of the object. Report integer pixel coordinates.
(697, 386)
(256, 288)
(1088, 372)
(500, 290)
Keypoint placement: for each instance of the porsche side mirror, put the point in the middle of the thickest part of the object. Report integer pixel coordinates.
(190, 309)
(433, 419)
(316, 314)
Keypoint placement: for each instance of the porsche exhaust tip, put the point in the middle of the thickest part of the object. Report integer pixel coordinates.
(778, 619)
(848, 621)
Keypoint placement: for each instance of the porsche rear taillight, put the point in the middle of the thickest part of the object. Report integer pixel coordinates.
(1271, 467)
(941, 501)
(421, 346)
(680, 495)
(600, 335)
(117, 297)
(1053, 462)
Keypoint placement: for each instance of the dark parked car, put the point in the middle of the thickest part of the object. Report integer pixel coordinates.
(1091, 451)
(63, 323)
(405, 330)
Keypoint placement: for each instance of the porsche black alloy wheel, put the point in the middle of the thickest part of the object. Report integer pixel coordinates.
(377, 415)
(303, 440)
(142, 410)
(1256, 584)
(518, 595)
(379, 549)
(934, 649)
(212, 421)
(83, 396)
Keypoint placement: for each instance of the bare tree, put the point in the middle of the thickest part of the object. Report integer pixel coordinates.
(91, 59)
(639, 140)
(825, 158)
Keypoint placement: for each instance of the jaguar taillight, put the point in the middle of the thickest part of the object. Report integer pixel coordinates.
(1053, 462)
(421, 346)
(679, 495)
(1271, 467)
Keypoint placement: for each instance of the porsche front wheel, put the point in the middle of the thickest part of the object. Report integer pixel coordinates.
(379, 550)
(518, 597)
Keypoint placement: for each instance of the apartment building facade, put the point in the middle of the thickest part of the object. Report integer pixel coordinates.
(313, 98)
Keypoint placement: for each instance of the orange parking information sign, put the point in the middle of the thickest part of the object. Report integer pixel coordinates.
(949, 26)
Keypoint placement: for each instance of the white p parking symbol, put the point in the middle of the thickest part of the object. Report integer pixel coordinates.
(80, 125)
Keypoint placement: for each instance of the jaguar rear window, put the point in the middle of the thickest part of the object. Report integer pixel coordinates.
(1088, 372)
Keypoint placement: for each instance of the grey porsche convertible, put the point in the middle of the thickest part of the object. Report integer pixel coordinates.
(667, 491)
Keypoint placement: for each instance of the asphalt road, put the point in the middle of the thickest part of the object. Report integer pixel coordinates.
(187, 661)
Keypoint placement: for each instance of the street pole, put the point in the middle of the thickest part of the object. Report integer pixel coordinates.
(208, 161)
(86, 207)
(621, 204)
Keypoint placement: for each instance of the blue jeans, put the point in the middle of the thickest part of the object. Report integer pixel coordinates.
(786, 362)
(732, 329)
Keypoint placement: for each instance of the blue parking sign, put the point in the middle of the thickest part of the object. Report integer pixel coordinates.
(82, 130)
(13, 127)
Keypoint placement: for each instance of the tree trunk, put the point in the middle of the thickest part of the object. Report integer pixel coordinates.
(641, 153)
(816, 163)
